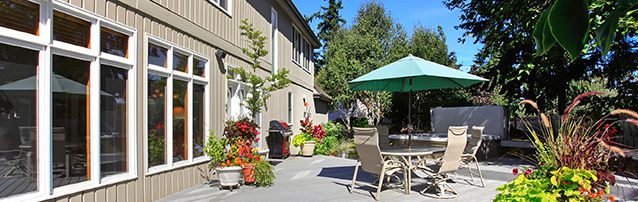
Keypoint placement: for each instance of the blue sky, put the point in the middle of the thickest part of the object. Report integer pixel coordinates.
(409, 13)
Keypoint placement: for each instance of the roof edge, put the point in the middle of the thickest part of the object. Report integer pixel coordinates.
(289, 4)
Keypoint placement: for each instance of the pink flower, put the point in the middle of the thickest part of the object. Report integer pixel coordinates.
(515, 171)
(527, 172)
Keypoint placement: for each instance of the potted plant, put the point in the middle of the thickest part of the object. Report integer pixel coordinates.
(249, 157)
(562, 175)
(309, 137)
(264, 174)
(224, 161)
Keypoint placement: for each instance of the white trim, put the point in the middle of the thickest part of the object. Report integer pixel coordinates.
(274, 39)
(47, 48)
(228, 11)
(170, 75)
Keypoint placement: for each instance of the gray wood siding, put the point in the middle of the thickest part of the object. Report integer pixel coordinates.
(202, 27)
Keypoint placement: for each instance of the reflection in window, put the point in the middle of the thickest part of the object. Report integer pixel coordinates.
(70, 114)
(198, 120)
(20, 15)
(198, 67)
(180, 143)
(69, 29)
(113, 120)
(113, 42)
(18, 139)
(157, 55)
(180, 62)
(156, 120)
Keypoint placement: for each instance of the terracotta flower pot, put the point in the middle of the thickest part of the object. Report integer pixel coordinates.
(249, 173)
(308, 148)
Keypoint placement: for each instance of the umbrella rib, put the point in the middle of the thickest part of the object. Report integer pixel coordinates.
(457, 83)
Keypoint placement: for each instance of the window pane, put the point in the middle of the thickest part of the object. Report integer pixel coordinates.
(69, 29)
(198, 120)
(198, 67)
(156, 120)
(70, 134)
(180, 139)
(113, 42)
(157, 55)
(223, 4)
(180, 62)
(113, 120)
(18, 119)
(20, 15)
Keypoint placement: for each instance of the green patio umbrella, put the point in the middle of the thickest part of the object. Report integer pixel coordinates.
(413, 74)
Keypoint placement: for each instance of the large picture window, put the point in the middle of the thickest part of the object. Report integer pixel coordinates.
(176, 105)
(65, 108)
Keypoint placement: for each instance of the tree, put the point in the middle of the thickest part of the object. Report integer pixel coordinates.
(509, 56)
(331, 21)
(353, 52)
(259, 88)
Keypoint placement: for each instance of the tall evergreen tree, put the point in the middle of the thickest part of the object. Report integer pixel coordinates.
(331, 21)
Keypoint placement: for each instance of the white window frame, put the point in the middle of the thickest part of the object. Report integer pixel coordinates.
(274, 41)
(169, 74)
(229, 6)
(47, 47)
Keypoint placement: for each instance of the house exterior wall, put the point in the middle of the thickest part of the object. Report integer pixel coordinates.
(203, 28)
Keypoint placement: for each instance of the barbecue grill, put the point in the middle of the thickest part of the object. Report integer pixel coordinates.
(278, 139)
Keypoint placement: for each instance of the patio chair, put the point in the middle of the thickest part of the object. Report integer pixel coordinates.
(366, 141)
(457, 139)
(469, 155)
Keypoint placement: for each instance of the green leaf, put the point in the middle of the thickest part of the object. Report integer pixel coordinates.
(607, 30)
(554, 180)
(569, 23)
(542, 34)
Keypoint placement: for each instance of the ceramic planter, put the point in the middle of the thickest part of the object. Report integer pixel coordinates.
(249, 173)
(229, 176)
(308, 148)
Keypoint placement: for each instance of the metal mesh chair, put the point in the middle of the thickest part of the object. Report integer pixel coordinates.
(469, 156)
(457, 139)
(366, 141)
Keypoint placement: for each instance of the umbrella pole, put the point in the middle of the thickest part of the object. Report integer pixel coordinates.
(410, 116)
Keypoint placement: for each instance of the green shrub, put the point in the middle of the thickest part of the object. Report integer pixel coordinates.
(360, 123)
(214, 148)
(335, 130)
(264, 174)
(298, 140)
(327, 145)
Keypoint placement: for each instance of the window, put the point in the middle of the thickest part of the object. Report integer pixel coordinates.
(18, 115)
(290, 102)
(20, 15)
(66, 122)
(225, 5)
(303, 52)
(273, 39)
(198, 119)
(296, 45)
(235, 98)
(176, 105)
(69, 29)
(308, 54)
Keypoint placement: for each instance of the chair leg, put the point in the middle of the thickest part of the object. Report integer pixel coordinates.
(479, 171)
(354, 176)
(469, 170)
(380, 182)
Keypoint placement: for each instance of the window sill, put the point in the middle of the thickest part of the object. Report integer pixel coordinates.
(165, 168)
(301, 67)
(74, 188)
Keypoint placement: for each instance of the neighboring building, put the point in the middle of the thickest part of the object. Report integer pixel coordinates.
(111, 100)
(322, 105)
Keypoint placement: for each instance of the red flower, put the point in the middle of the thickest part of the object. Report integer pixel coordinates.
(515, 171)
(527, 172)
(258, 158)
(159, 126)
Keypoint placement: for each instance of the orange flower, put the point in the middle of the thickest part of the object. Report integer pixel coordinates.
(237, 161)
(592, 195)
(612, 198)
(600, 193)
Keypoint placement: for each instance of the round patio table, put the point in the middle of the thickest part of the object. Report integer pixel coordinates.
(405, 155)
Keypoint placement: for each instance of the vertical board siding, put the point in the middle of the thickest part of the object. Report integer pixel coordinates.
(203, 15)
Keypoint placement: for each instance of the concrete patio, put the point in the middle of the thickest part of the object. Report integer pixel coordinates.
(325, 178)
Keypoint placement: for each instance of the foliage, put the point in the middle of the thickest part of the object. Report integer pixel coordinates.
(247, 153)
(259, 88)
(576, 142)
(214, 149)
(567, 23)
(300, 139)
(243, 128)
(156, 145)
(315, 132)
(327, 146)
(508, 56)
(564, 184)
(264, 174)
(331, 21)
(598, 105)
(361, 123)
(335, 129)
(353, 52)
